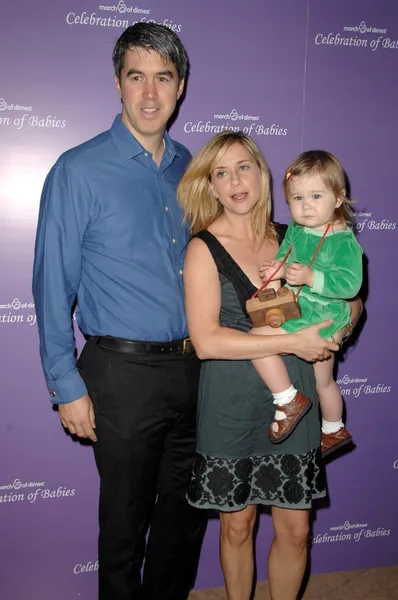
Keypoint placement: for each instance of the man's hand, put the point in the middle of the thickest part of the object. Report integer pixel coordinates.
(78, 417)
(268, 267)
(311, 346)
(297, 274)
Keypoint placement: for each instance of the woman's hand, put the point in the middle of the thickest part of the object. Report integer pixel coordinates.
(341, 335)
(310, 346)
(356, 306)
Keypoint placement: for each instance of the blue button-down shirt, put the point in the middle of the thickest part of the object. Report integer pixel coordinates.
(110, 234)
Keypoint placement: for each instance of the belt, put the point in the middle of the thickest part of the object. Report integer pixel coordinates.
(183, 346)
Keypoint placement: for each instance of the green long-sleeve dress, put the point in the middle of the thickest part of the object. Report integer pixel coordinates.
(337, 276)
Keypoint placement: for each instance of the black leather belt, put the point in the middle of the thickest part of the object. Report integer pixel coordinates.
(183, 346)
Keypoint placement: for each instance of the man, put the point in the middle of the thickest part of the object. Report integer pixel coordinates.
(110, 236)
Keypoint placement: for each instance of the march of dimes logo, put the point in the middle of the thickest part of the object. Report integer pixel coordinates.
(32, 491)
(118, 19)
(358, 386)
(235, 121)
(19, 116)
(360, 36)
(350, 532)
(17, 312)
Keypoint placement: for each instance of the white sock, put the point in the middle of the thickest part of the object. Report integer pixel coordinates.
(285, 397)
(331, 427)
(281, 399)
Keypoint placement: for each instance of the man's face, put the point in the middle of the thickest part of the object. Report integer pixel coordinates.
(149, 88)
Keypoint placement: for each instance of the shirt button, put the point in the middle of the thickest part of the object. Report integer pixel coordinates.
(145, 153)
(173, 241)
(53, 394)
(180, 271)
(166, 208)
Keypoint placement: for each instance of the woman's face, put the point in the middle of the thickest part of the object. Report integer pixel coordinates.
(236, 180)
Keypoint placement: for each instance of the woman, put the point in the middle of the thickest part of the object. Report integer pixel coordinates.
(225, 195)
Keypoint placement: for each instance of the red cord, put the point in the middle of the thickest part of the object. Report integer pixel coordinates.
(284, 260)
(266, 282)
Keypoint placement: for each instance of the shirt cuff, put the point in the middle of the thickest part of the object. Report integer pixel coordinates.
(318, 284)
(68, 389)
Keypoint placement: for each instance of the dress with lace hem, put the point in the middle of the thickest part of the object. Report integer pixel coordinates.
(236, 464)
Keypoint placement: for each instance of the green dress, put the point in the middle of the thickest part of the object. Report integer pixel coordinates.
(236, 464)
(337, 276)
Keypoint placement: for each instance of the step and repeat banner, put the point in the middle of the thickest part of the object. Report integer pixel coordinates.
(295, 75)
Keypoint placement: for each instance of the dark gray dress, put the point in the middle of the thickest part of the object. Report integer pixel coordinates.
(236, 464)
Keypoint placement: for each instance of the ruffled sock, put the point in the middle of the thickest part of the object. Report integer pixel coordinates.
(331, 426)
(281, 399)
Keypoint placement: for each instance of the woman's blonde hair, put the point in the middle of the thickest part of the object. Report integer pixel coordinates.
(329, 169)
(201, 208)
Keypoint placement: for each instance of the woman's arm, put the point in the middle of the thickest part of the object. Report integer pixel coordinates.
(356, 306)
(356, 310)
(203, 303)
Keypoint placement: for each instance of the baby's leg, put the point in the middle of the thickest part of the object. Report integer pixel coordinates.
(272, 369)
(328, 391)
(334, 434)
(290, 404)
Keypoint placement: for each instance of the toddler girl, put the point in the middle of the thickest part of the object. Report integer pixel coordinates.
(314, 187)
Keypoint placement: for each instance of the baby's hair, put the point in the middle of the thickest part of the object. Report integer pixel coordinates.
(329, 169)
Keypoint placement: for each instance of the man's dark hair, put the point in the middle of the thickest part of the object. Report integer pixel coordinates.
(151, 36)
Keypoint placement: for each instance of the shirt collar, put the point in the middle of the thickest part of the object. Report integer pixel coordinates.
(129, 146)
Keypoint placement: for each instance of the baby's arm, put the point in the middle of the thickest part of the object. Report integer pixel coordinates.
(270, 269)
(343, 277)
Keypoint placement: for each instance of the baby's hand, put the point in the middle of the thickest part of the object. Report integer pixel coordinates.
(297, 274)
(268, 268)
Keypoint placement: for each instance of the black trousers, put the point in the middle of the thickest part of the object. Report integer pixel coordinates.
(145, 411)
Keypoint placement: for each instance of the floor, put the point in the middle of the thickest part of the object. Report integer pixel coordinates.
(364, 584)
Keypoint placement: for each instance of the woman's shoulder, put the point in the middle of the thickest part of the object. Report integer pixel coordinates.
(201, 239)
(197, 241)
(198, 255)
(203, 243)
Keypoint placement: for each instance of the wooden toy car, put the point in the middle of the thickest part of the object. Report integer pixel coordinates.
(272, 307)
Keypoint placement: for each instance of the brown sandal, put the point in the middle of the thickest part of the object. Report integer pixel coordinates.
(294, 411)
(334, 441)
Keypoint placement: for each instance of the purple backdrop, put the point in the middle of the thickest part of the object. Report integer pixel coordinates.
(295, 74)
